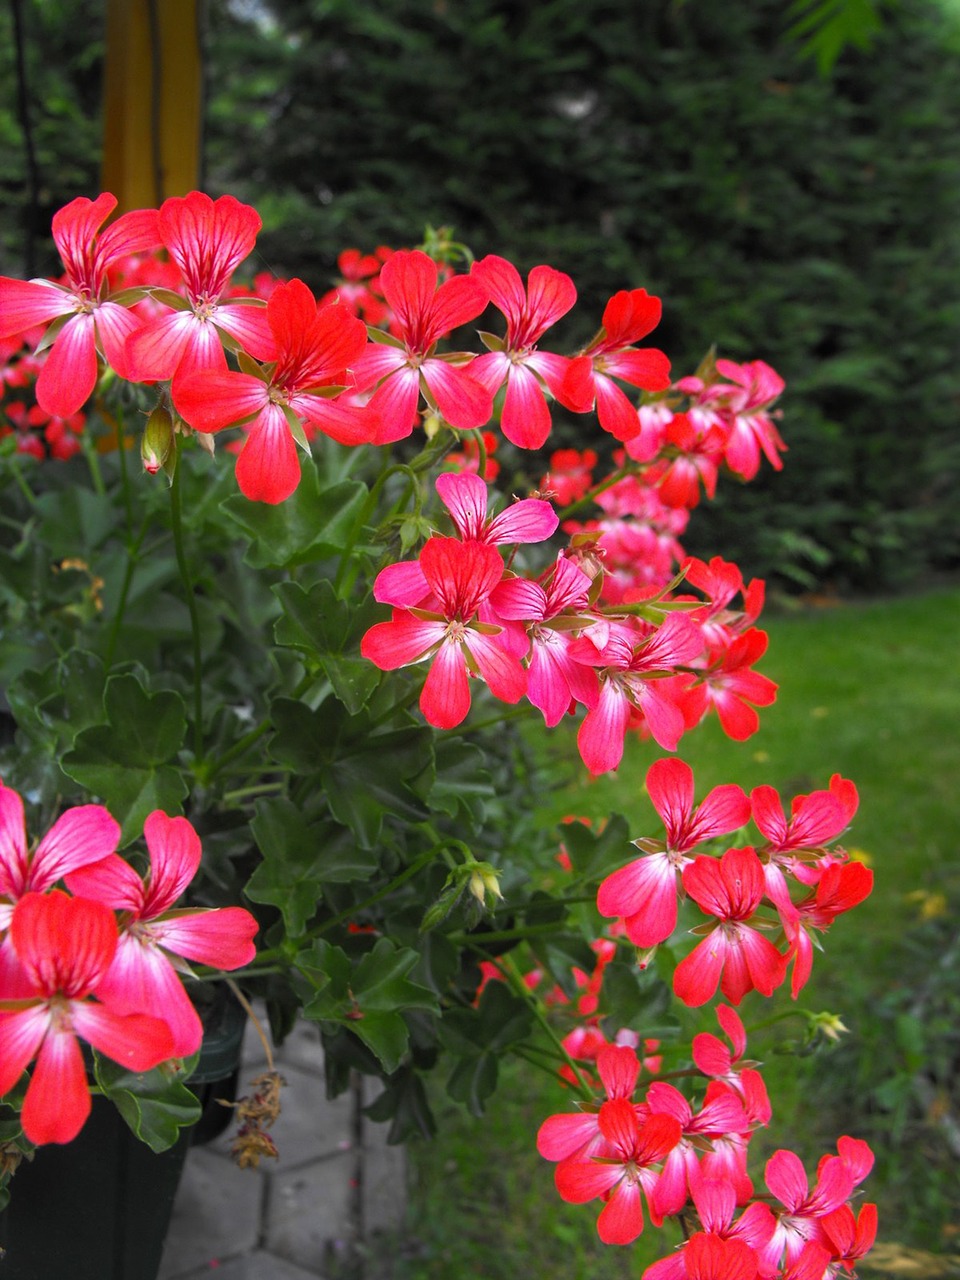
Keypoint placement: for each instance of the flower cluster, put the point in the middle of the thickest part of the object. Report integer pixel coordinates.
(691, 1160)
(103, 964)
(576, 598)
(732, 889)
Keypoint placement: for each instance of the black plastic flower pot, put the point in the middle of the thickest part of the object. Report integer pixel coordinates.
(98, 1208)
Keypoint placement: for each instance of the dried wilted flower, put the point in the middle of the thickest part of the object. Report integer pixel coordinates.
(256, 1113)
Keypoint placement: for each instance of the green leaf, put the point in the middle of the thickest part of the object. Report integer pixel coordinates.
(126, 762)
(290, 875)
(404, 1102)
(311, 525)
(385, 1034)
(463, 783)
(380, 982)
(329, 630)
(362, 788)
(473, 1080)
(155, 1106)
(593, 856)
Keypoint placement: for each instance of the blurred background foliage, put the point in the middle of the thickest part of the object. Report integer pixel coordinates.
(791, 196)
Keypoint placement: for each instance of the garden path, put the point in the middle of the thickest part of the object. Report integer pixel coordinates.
(336, 1183)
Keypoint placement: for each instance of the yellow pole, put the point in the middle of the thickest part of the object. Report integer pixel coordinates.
(152, 119)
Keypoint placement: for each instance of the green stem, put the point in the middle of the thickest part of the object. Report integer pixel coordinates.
(519, 987)
(93, 461)
(417, 865)
(261, 789)
(21, 482)
(176, 513)
(133, 559)
(254, 735)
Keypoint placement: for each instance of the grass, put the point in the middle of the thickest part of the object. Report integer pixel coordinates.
(866, 690)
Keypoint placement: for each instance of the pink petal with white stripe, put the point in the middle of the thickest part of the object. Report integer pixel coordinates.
(445, 700)
(26, 303)
(80, 836)
(268, 469)
(525, 419)
(69, 373)
(464, 403)
(210, 402)
(219, 936)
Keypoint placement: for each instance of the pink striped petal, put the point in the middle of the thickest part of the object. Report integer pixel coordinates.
(645, 892)
(561, 1136)
(395, 404)
(268, 469)
(529, 520)
(210, 402)
(346, 423)
(525, 419)
(601, 735)
(401, 584)
(401, 641)
(115, 326)
(21, 1035)
(220, 936)
(465, 496)
(142, 978)
(501, 670)
(251, 328)
(69, 373)
(79, 837)
(621, 1219)
(136, 1041)
(463, 402)
(25, 303)
(175, 853)
(13, 843)
(696, 977)
(135, 232)
(578, 1181)
(155, 350)
(445, 700)
(112, 880)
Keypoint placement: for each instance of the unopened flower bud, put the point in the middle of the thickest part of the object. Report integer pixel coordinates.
(483, 880)
(157, 445)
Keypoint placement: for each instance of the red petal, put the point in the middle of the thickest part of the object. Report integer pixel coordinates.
(268, 469)
(58, 1100)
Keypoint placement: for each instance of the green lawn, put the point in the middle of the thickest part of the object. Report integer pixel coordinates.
(867, 690)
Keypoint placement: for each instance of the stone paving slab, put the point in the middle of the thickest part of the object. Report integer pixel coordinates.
(336, 1182)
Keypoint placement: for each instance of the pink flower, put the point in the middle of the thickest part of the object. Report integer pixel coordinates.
(207, 239)
(154, 936)
(461, 576)
(730, 686)
(64, 947)
(734, 954)
(644, 892)
(842, 887)
(802, 1219)
(623, 1165)
(315, 348)
(92, 323)
(630, 681)
(627, 317)
(746, 407)
(515, 360)
(423, 315)
(84, 834)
